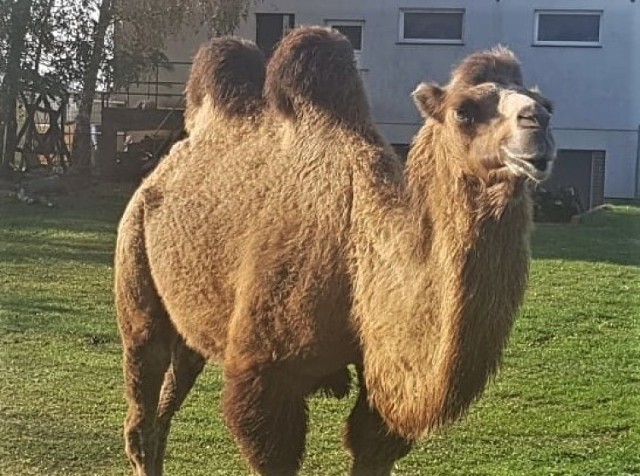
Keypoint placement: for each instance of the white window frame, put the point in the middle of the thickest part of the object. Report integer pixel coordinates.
(356, 53)
(431, 41)
(286, 22)
(586, 44)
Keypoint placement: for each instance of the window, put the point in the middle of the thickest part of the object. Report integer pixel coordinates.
(270, 28)
(567, 28)
(431, 26)
(581, 170)
(352, 29)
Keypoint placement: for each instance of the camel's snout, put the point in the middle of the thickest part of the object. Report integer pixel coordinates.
(531, 149)
(531, 155)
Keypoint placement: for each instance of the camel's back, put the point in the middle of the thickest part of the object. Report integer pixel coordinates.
(249, 200)
(247, 223)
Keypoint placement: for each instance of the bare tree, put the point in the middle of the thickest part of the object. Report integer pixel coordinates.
(82, 135)
(142, 27)
(71, 44)
(18, 16)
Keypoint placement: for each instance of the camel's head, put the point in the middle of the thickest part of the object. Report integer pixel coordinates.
(499, 127)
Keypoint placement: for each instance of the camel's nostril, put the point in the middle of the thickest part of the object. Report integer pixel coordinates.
(536, 121)
(528, 121)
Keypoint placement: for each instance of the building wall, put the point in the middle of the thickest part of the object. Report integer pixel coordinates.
(596, 90)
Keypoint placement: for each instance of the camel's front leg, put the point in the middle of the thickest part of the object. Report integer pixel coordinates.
(373, 448)
(267, 419)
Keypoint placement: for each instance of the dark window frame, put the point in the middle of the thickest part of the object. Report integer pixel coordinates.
(402, 38)
(288, 23)
(357, 52)
(333, 23)
(559, 13)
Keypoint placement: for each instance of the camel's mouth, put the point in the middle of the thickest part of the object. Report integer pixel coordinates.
(536, 167)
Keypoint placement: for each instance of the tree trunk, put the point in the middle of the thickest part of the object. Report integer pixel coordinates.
(20, 15)
(81, 155)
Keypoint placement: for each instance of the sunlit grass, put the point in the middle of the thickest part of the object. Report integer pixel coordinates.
(567, 401)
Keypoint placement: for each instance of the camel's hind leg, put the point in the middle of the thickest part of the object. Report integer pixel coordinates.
(147, 355)
(159, 373)
(147, 339)
(373, 448)
(186, 365)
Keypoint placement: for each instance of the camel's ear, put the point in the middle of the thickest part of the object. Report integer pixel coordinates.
(429, 99)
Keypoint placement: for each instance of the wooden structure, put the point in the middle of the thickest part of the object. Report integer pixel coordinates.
(116, 120)
(41, 139)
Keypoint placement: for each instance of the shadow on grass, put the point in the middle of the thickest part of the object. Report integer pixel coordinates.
(25, 246)
(606, 236)
(78, 229)
(25, 318)
(93, 214)
(34, 306)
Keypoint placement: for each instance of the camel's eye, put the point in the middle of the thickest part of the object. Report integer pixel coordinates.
(465, 115)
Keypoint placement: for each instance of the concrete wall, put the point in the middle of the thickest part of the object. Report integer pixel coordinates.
(596, 90)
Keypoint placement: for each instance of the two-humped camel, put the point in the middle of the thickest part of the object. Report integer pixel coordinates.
(283, 240)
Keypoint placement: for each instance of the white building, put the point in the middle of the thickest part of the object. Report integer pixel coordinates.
(583, 54)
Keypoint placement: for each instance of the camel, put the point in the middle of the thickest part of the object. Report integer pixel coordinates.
(285, 241)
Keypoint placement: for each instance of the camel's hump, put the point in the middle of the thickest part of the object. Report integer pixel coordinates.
(315, 66)
(231, 71)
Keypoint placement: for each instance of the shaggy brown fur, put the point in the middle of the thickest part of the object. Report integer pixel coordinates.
(287, 245)
(306, 73)
(496, 66)
(231, 72)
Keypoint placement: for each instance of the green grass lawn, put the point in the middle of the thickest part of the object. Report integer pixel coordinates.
(567, 401)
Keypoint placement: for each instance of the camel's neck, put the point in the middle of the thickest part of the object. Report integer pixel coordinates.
(438, 290)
